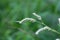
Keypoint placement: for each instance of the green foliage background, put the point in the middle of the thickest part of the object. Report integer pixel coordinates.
(15, 10)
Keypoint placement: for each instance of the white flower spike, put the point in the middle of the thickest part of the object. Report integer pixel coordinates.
(59, 20)
(26, 19)
(42, 29)
(39, 17)
(57, 39)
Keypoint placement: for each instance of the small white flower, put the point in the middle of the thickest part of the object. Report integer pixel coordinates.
(59, 20)
(57, 39)
(42, 29)
(39, 17)
(26, 19)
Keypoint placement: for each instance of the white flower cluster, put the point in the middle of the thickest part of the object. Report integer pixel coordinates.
(57, 39)
(42, 29)
(39, 17)
(26, 19)
(59, 20)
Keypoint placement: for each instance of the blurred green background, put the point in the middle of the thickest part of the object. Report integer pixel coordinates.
(15, 10)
